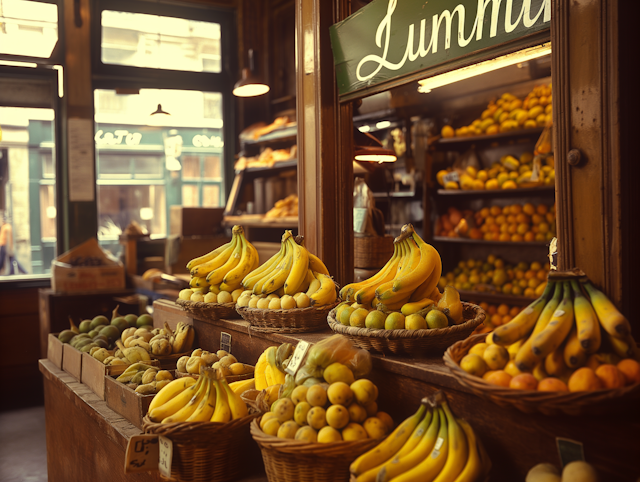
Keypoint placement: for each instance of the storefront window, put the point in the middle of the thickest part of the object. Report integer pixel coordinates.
(152, 41)
(28, 28)
(27, 191)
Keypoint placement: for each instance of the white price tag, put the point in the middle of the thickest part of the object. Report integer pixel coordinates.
(225, 342)
(142, 454)
(166, 454)
(451, 177)
(298, 356)
(359, 220)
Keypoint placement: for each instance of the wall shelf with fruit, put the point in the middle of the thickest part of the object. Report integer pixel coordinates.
(444, 239)
(545, 191)
(463, 143)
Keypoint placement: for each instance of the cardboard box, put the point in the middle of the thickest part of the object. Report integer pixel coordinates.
(55, 349)
(190, 221)
(67, 275)
(125, 401)
(72, 361)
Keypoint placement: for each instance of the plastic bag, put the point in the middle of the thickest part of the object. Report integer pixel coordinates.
(335, 349)
(363, 204)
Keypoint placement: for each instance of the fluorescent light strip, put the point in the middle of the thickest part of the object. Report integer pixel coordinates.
(447, 78)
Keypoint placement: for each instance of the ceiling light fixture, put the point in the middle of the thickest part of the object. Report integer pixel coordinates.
(447, 78)
(374, 154)
(250, 85)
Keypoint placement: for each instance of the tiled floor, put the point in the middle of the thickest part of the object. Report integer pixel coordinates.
(23, 447)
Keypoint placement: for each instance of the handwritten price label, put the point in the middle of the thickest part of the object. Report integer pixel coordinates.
(225, 342)
(451, 177)
(166, 454)
(297, 358)
(142, 454)
(569, 450)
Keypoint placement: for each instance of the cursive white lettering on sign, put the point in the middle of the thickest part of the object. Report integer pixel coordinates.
(116, 138)
(200, 140)
(446, 18)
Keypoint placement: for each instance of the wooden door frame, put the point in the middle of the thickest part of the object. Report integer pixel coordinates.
(586, 117)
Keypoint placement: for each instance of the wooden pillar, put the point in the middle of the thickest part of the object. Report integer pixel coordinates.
(325, 139)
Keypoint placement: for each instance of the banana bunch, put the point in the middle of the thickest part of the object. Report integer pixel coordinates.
(430, 445)
(217, 276)
(209, 399)
(105, 356)
(292, 278)
(410, 276)
(269, 371)
(570, 331)
(145, 379)
(221, 361)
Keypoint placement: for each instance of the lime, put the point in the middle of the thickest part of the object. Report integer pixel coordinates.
(358, 316)
(345, 314)
(415, 322)
(395, 321)
(436, 319)
(375, 320)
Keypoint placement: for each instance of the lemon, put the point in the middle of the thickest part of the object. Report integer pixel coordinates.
(415, 322)
(237, 294)
(288, 429)
(354, 431)
(337, 416)
(375, 320)
(451, 185)
(473, 364)
(345, 314)
(496, 357)
(317, 417)
(328, 435)
(478, 349)
(271, 427)
(337, 372)
(263, 303)
(287, 302)
(395, 321)
(375, 427)
(213, 298)
(357, 413)
(317, 396)
(339, 393)
(274, 304)
(358, 317)
(307, 434)
(299, 394)
(436, 319)
(301, 412)
(447, 131)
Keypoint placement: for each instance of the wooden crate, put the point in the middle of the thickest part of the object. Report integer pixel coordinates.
(93, 374)
(55, 349)
(123, 400)
(72, 361)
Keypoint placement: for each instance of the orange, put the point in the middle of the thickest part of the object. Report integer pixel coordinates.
(529, 236)
(523, 219)
(487, 236)
(506, 319)
(630, 369)
(610, 376)
(504, 228)
(552, 384)
(542, 209)
(537, 219)
(584, 379)
(523, 283)
(511, 219)
(489, 220)
(503, 309)
(516, 291)
(501, 219)
(509, 185)
(513, 228)
(495, 236)
(524, 381)
(522, 228)
(529, 293)
(514, 311)
(542, 275)
(529, 209)
(519, 274)
(529, 274)
(504, 237)
(498, 263)
(515, 209)
(544, 227)
(550, 217)
(496, 320)
(484, 305)
(495, 210)
(517, 238)
(484, 212)
(506, 210)
(534, 282)
(494, 228)
(492, 309)
(491, 184)
(497, 377)
(541, 237)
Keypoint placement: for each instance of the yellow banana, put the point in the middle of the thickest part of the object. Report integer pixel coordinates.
(202, 270)
(314, 285)
(348, 291)
(242, 386)
(610, 318)
(411, 308)
(279, 275)
(574, 354)
(268, 373)
(558, 328)
(207, 405)
(187, 410)
(431, 465)
(254, 276)
(222, 412)
(554, 364)
(207, 257)
(276, 375)
(236, 404)
(316, 264)
(299, 269)
(625, 348)
(389, 446)
(473, 467)
(413, 278)
(388, 307)
(172, 389)
(233, 279)
(408, 456)
(431, 282)
(198, 282)
(167, 409)
(367, 291)
(458, 449)
(526, 360)
(217, 275)
(586, 321)
(259, 372)
(304, 285)
(523, 322)
(326, 294)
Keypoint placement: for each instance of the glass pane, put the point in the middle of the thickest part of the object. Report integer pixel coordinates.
(211, 196)
(190, 195)
(148, 167)
(27, 199)
(28, 28)
(152, 41)
(212, 167)
(120, 205)
(114, 167)
(191, 167)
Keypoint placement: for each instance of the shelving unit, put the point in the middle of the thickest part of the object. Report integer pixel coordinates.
(501, 193)
(455, 143)
(258, 221)
(480, 242)
(494, 298)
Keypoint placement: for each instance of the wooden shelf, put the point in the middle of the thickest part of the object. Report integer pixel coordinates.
(526, 244)
(259, 221)
(494, 298)
(455, 143)
(520, 192)
(289, 132)
(260, 171)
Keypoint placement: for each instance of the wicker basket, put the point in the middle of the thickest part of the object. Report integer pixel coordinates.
(229, 378)
(531, 401)
(205, 451)
(297, 320)
(209, 311)
(287, 460)
(372, 251)
(411, 342)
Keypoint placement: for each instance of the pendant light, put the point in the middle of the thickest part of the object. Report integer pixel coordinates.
(250, 85)
(368, 148)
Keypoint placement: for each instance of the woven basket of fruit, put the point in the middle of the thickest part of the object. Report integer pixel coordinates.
(531, 401)
(411, 342)
(296, 320)
(209, 311)
(289, 460)
(372, 251)
(210, 438)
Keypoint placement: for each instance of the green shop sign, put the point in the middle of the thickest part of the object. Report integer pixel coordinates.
(391, 39)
